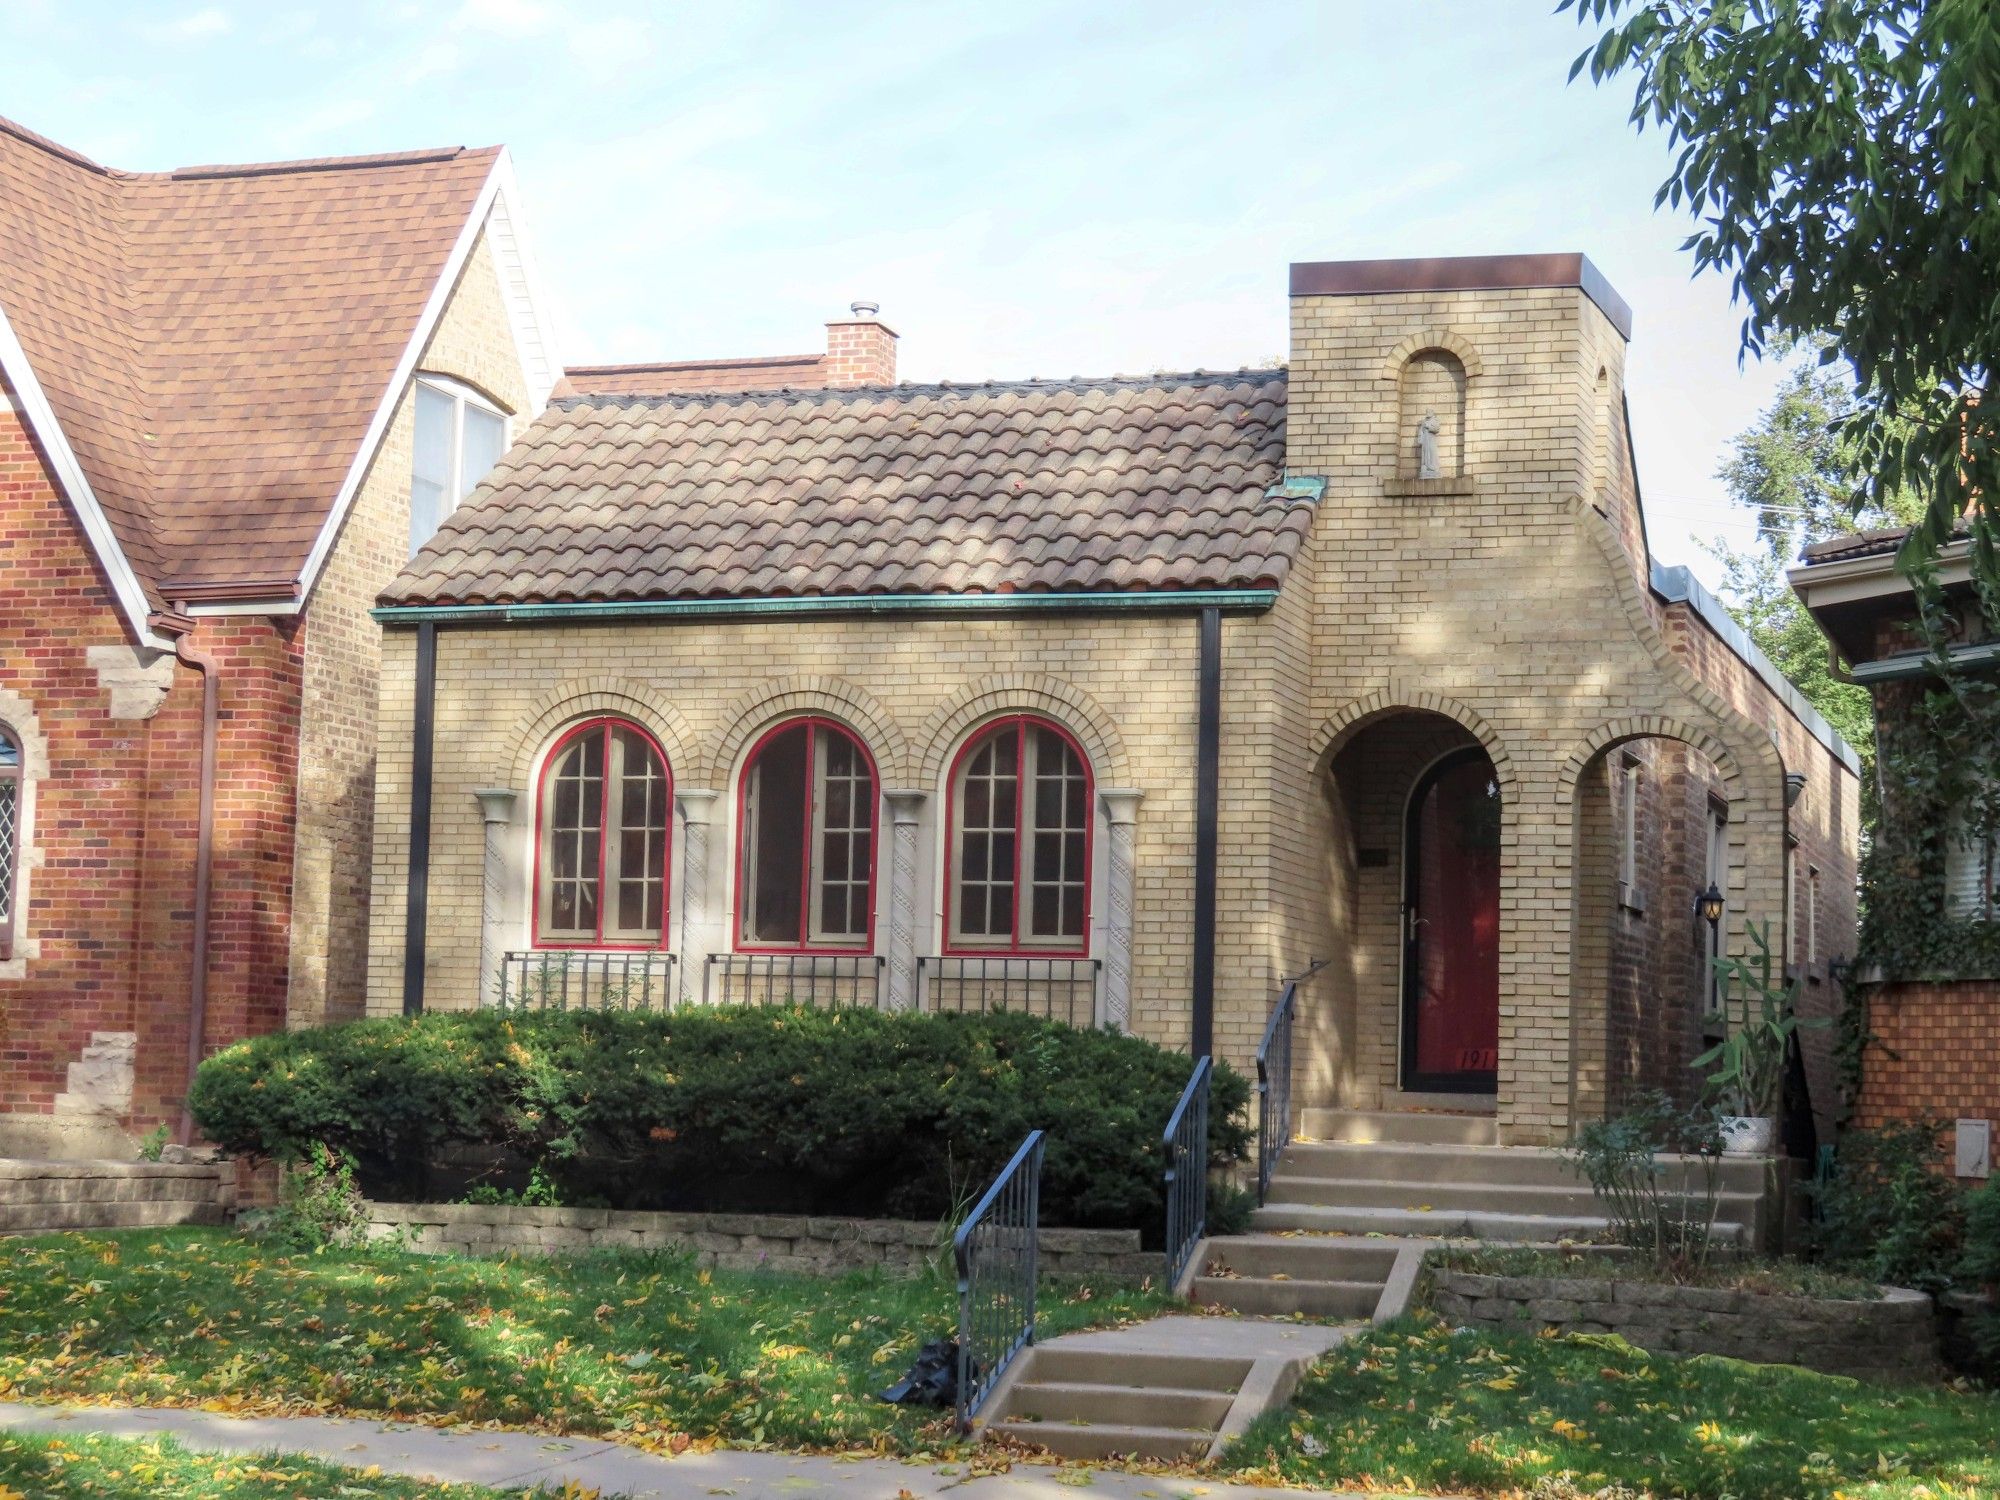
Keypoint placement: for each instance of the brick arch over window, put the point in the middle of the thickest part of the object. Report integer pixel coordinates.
(822, 697)
(1455, 344)
(597, 697)
(1067, 705)
(1399, 697)
(1651, 727)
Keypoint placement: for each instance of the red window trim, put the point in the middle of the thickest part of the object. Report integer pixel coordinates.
(605, 723)
(804, 946)
(1015, 948)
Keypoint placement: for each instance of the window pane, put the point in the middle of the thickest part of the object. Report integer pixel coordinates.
(638, 836)
(430, 464)
(574, 802)
(775, 840)
(844, 821)
(485, 439)
(10, 817)
(1060, 815)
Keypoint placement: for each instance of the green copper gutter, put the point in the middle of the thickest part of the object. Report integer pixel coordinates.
(833, 604)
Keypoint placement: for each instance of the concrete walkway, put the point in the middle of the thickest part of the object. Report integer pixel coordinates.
(518, 1460)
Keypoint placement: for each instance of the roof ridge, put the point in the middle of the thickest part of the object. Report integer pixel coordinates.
(910, 390)
(718, 362)
(316, 164)
(55, 148)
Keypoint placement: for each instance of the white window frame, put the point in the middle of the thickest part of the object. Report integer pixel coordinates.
(462, 396)
(1969, 876)
(1812, 915)
(1717, 871)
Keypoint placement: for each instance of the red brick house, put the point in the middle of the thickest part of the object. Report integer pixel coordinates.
(232, 401)
(1933, 1021)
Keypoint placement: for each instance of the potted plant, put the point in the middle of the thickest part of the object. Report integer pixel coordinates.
(1746, 1069)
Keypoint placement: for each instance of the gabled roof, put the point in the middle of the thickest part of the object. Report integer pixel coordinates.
(209, 354)
(1078, 487)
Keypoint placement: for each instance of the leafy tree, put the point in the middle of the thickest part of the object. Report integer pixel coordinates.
(1841, 158)
(1795, 470)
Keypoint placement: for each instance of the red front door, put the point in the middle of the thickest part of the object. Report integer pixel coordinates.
(1451, 928)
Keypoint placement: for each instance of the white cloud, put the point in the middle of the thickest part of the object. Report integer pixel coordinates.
(515, 18)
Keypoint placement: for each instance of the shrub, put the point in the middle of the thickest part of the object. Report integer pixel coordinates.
(850, 1112)
(1886, 1211)
(1979, 1266)
(319, 1206)
(1664, 1209)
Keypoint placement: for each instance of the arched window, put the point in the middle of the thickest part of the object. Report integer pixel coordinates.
(603, 822)
(10, 836)
(1018, 842)
(806, 840)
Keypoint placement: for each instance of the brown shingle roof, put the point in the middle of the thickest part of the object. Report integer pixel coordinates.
(1147, 485)
(214, 341)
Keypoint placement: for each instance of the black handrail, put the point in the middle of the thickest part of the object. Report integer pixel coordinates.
(1186, 1143)
(1274, 1087)
(996, 1250)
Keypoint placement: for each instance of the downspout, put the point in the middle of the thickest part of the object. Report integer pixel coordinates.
(1207, 793)
(416, 914)
(204, 859)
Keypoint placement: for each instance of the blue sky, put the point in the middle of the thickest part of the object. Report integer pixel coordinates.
(1027, 188)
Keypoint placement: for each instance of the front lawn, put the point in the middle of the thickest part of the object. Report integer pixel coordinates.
(1417, 1405)
(644, 1345)
(37, 1466)
(1772, 1276)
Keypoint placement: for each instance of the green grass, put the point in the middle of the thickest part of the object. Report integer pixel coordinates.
(36, 1466)
(1787, 1278)
(1416, 1404)
(642, 1345)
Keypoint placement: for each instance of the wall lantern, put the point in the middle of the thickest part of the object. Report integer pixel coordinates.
(1708, 906)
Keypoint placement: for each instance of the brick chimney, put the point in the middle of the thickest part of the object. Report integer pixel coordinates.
(861, 348)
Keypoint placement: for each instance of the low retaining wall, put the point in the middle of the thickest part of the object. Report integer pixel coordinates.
(773, 1242)
(1893, 1339)
(40, 1196)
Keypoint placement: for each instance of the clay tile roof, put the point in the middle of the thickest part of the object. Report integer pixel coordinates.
(1149, 484)
(1856, 544)
(673, 377)
(214, 341)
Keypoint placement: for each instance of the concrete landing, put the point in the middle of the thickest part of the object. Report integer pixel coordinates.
(518, 1460)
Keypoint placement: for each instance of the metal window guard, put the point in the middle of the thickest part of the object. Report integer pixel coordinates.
(1057, 989)
(825, 980)
(586, 979)
(996, 1250)
(1186, 1143)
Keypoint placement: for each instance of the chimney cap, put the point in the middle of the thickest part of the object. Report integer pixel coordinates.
(865, 309)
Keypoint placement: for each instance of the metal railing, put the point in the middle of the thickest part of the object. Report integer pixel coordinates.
(1274, 1087)
(1186, 1143)
(1057, 989)
(586, 979)
(996, 1251)
(830, 981)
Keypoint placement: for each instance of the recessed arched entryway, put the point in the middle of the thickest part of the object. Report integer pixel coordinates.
(1451, 927)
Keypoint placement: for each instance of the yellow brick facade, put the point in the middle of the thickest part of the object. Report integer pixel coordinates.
(473, 342)
(1503, 604)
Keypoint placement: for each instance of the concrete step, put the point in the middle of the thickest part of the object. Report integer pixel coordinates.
(1265, 1297)
(1108, 1440)
(1575, 1200)
(1299, 1259)
(1367, 1126)
(85, 1105)
(1118, 1405)
(1057, 1364)
(1525, 1165)
(1451, 1224)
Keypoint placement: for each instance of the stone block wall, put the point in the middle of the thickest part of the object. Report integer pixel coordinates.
(1891, 1339)
(39, 1197)
(736, 1242)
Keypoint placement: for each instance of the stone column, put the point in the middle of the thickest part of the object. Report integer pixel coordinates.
(697, 920)
(1121, 813)
(500, 886)
(906, 811)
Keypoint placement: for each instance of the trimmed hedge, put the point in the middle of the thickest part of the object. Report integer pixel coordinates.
(776, 1110)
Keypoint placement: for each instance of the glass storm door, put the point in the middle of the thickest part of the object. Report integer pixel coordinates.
(1451, 928)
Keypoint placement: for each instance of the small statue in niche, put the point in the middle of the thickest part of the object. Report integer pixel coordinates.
(1427, 447)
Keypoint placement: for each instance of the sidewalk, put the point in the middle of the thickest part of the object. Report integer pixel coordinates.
(518, 1460)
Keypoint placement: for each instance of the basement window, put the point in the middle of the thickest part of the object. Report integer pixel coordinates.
(458, 436)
